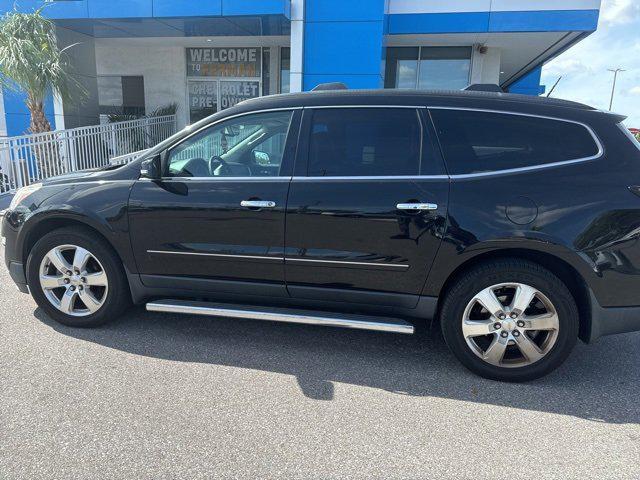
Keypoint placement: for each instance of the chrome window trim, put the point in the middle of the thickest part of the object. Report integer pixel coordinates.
(591, 132)
(364, 106)
(221, 179)
(381, 177)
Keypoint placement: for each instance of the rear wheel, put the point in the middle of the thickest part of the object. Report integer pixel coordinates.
(510, 320)
(77, 278)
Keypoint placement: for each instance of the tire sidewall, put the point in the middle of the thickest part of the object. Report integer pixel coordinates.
(113, 304)
(547, 284)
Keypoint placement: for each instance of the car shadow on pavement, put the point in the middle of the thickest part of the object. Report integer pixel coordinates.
(599, 382)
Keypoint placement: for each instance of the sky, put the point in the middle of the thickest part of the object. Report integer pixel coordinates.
(616, 44)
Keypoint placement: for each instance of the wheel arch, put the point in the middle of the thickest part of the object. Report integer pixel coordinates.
(556, 265)
(48, 224)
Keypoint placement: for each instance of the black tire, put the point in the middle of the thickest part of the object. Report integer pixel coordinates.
(504, 271)
(118, 297)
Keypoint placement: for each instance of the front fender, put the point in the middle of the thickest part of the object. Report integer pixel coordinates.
(101, 206)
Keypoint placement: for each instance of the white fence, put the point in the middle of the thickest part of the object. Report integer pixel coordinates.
(30, 158)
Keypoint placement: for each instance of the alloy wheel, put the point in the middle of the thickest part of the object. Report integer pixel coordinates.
(73, 280)
(510, 325)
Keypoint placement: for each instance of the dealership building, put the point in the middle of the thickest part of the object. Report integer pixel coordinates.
(136, 56)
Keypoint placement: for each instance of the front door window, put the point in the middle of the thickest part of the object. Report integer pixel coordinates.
(247, 146)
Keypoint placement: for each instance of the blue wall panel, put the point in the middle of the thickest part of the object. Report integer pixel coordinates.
(256, 7)
(438, 23)
(544, 21)
(342, 10)
(343, 42)
(17, 113)
(342, 47)
(529, 84)
(120, 8)
(187, 8)
(479, 22)
(67, 9)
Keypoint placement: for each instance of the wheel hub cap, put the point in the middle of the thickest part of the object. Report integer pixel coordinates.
(510, 325)
(73, 280)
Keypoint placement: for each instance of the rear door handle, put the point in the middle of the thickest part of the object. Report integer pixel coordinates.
(417, 206)
(257, 204)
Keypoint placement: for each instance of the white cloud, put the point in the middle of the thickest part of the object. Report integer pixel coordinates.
(584, 67)
(615, 12)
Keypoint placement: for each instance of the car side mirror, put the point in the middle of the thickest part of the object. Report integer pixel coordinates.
(151, 168)
(261, 158)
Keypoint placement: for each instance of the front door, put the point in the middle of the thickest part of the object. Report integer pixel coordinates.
(367, 206)
(216, 219)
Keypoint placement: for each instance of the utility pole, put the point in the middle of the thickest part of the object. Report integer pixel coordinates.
(613, 88)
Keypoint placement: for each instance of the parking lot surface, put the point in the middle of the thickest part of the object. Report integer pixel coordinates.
(163, 396)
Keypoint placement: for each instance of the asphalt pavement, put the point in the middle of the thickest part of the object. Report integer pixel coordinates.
(163, 396)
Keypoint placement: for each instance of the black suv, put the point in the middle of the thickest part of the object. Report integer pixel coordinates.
(512, 221)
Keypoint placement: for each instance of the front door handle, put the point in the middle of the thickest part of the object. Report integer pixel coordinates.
(257, 204)
(417, 206)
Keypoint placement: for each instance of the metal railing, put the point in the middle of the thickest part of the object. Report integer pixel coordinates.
(31, 158)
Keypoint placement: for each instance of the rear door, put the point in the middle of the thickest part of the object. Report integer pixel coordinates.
(367, 206)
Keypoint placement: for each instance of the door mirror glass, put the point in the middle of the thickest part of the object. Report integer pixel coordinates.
(261, 158)
(150, 168)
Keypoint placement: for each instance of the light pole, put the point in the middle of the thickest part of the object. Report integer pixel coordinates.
(613, 88)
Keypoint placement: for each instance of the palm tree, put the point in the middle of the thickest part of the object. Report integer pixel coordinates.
(32, 62)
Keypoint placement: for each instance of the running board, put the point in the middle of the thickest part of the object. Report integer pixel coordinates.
(309, 317)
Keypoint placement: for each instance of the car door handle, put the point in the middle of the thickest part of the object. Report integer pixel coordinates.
(417, 206)
(257, 204)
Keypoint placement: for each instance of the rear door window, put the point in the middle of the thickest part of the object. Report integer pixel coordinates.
(364, 142)
(479, 142)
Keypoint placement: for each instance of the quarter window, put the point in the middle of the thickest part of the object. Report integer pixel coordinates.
(364, 142)
(247, 146)
(477, 142)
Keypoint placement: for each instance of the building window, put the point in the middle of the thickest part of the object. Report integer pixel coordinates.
(121, 95)
(285, 66)
(431, 68)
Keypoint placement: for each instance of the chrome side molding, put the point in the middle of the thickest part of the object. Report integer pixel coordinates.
(308, 317)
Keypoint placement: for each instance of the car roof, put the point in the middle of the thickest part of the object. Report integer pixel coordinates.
(404, 97)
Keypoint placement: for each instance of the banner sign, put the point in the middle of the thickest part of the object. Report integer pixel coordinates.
(203, 99)
(223, 62)
(232, 92)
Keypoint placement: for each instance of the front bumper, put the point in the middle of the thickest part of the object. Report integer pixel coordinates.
(12, 260)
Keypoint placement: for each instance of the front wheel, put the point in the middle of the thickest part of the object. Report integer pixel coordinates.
(510, 320)
(77, 278)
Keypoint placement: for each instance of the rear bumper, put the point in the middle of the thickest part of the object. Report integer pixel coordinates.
(610, 321)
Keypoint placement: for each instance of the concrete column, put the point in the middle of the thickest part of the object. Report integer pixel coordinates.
(297, 45)
(485, 67)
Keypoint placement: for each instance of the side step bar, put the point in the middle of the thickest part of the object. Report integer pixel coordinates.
(309, 317)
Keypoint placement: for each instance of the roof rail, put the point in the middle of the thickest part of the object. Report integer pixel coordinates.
(484, 87)
(329, 86)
